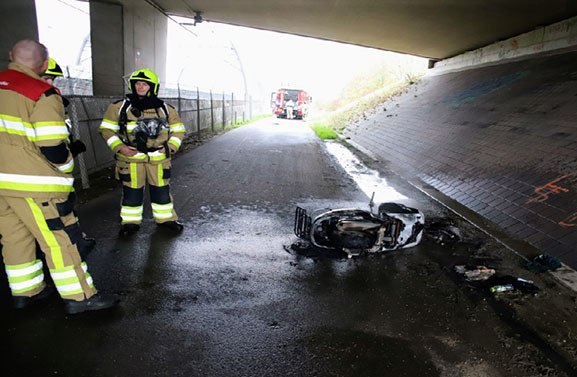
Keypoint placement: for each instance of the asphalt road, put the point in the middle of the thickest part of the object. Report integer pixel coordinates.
(230, 297)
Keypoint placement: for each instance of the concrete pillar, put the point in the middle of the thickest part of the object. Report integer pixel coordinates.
(145, 38)
(18, 22)
(125, 37)
(107, 40)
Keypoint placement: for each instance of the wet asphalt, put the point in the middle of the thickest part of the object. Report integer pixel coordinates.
(232, 296)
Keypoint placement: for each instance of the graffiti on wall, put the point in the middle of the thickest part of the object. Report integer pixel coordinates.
(570, 221)
(555, 187)
(482, 88)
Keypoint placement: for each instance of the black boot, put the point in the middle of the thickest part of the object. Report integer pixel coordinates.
(172, 225)
(97, 302)
(23, 302)
(128, 229)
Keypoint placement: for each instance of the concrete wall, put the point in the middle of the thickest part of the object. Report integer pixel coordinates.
(551, 38)
(18, 22)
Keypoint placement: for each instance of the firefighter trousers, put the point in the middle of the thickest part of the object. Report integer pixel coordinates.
(134, 175)
(51, 223)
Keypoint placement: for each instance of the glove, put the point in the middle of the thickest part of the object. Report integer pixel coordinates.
(76, 147)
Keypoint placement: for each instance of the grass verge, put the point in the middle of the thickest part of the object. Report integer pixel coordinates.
(323, 132)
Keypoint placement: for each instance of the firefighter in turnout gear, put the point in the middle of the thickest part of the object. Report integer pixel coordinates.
(50, 75)
(143, 132)
(52, 72)
(86, 244)
(36, 189)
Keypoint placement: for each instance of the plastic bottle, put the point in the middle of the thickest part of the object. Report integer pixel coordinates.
(502, 288)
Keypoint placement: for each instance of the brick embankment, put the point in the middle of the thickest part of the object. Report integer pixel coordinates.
(500, 140)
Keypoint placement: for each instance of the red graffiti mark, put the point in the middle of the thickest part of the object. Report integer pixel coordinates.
(515, 43)
(548, 189)
(570, 221)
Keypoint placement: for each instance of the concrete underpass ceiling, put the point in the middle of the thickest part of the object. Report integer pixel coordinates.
(435, 29)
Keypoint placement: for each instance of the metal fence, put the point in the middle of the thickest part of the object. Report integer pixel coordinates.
(204, 113)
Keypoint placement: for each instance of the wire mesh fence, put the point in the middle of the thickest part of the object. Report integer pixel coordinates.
(201, 112)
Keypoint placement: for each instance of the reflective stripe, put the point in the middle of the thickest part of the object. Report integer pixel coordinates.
(130, 218)
(15, 126)
(176, 141)
(162, 211)
(130, 126)
(133, 176)
(113, 142)
(131, 214)
(29, 187)
(155, 153)
(138, 156)
(49, 180)
(157, 156)
(69, 289)
(37, 183)
(25, 277)
(67, 281)
(162, 215)
(51, 129)
(67, 168)
(54, 130)
(132, 210)
(23, 269)
(109, 125)
(160, 176)
(63, 275)
(178, 127)
(162, 207)
(27, 285)
(112, 139)
(49, 238)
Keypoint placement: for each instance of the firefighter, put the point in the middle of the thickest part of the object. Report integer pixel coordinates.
(143, 132)
(36, 193)
(49, 76)
(290, 105)
(53, 71)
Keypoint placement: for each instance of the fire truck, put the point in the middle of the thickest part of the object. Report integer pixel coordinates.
(299, 98)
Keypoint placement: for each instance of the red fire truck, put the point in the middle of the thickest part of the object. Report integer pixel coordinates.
(300, 101)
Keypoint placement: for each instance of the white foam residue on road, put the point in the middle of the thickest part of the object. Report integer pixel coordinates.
(368, 180)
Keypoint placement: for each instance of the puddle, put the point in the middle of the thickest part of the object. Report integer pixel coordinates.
(368, 180)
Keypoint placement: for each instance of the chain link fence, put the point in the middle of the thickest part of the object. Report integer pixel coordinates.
(202, 112)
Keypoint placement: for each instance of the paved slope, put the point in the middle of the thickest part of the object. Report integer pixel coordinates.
(501, 140)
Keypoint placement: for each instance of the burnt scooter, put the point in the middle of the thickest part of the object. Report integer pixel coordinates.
(356, 231)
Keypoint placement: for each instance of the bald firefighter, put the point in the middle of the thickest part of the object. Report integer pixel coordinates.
(36, 189)
(144, 132)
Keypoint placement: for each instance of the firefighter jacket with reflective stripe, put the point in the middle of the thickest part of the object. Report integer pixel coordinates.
(118, 135)
(34, 158)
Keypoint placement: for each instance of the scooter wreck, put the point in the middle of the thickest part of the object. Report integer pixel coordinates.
(356, 231)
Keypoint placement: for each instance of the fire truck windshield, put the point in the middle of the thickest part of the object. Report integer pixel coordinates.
(291, 94)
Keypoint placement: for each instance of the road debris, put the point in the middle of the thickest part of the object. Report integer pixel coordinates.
(475, 274)
(544, 262)
(442, 231)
